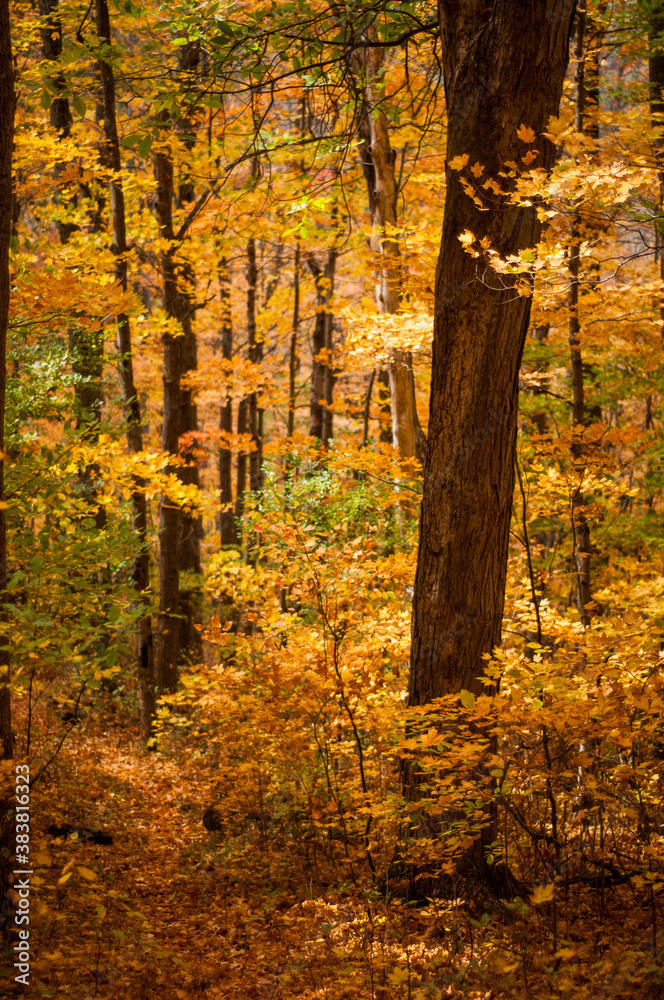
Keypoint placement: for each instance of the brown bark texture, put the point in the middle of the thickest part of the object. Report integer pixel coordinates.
(504, 66)
(110, 156)
(7, 844)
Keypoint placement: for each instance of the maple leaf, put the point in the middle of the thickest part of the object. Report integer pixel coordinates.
(458, 162)
(525, 134)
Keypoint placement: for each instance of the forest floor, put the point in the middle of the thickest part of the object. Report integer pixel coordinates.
(168, 910)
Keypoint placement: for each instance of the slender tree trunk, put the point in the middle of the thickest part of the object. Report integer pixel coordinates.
(379, 158)
(7, 827)
(86, 346)
(656, 81)
(320, 414)
(190, 525)
(504, 66)
(256, 355)
(582, 542)
(110, 155)
(385, 407)
(168, 647)
(242, 464)
(292, 357)
(228, 533)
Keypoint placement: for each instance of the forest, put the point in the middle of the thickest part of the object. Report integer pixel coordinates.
(332, 499)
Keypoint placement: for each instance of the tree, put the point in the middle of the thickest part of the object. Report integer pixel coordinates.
(504, 68)
(6, 143)
(110, 157)
(378, 164)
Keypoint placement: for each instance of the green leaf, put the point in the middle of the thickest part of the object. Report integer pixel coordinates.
(113, 614)
(36, 565)
(131, 140)
(79, 105)
(145, 145)
(45, 99)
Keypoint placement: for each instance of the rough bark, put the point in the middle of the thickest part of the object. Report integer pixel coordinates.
(7, 845)
(503, 66)
(228, 532)
(110, 156)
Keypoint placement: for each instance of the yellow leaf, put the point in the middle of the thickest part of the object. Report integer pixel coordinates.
(542, 894)
(65, 878)
(459, 162)
(467, 238)
(477, 169)
(525, 134)
(467, 699)
(87, 873)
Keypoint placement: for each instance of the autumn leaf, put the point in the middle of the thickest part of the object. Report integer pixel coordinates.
(86, 873)
(458, 162)
(542, 894)
(525, 134)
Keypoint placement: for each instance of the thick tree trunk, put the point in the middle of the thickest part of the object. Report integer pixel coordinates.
(7, 829)
(322, 374)
(110, 155)
(228, 533)
(504, 66)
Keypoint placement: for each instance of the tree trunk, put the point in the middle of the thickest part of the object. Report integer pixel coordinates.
(385, 407)
(320, 413)
(228, 533)
(255, 415)
(378, 162)
(86, 346)
(168, 647)
(292, 357)
(581, 528)
(190, 527)
(110, 155)
(656, 81)
(7, 828)
(504, 66)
